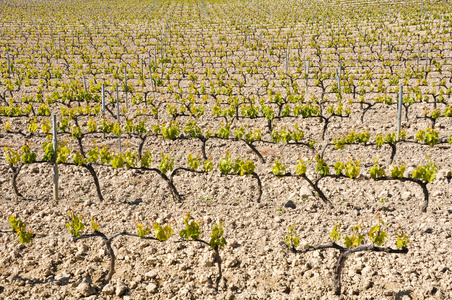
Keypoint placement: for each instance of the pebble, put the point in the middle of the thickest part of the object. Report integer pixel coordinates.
(305, 192)
(121, 288)
(290, 204)
(109, 289)
(85, 289)
(151, 274)
(151, 287)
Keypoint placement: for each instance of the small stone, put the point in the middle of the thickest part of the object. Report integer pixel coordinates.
(185, 293)
(290, 204)
(305, 192)
(368, 284)
(85, 289)
(133, 284)
(355, 269)
(208, 259)
(207, 219)
(203, 278)
(437, 194)
(151, 260)
(277, 219)
(443, 173)
(151, 274)
(137, 201)
(409, 172)
(442, 268)
(231, 263)
(61, 278)
(121, 289)
(383, 194)
(109, 289)
(151, 288)
(367, 271)
(406, 196)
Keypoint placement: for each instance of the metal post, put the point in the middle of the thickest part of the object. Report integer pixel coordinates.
(9, 62)
(390, 44)
(427, 58)
(381, 43)
(418, 48)
(338, 77)
(55, 156)
(287, 60)
(125, 86)
(307, 74)
(399, 111)
(103, 100)
(84, 83)
(117, 111)
(150, 72)
(142, 73)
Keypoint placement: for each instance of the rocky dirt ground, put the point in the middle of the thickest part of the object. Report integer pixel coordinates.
(256, 262)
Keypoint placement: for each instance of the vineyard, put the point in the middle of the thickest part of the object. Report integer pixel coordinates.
(210, 149)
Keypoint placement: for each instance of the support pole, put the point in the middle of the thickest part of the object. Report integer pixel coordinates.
(125, 87)
(84, 83)
(55, 156)
(117, 111)
(9, 62)
(338, 77)
(103, 100)
(287, 60)
(399, 111)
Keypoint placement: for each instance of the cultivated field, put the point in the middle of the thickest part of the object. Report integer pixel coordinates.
(274, 125)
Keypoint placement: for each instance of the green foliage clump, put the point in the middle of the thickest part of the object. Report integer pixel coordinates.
(20, 228)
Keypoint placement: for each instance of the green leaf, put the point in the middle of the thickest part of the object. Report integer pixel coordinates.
(292, 239)
(322, 168)
(146, 159)
(193, 162)
(11, 156)
(301, 168)
(191, 231)
(335, 233)
(142, 230)
(352, 169)
(426, 173)
(216, 237)
(397, 171)
(20, 228)
(278, 168)
(226, 164)
(166, 163)
(402, 239)
(377, 235)
(376, 171)
(162, 233)
(76, 225)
